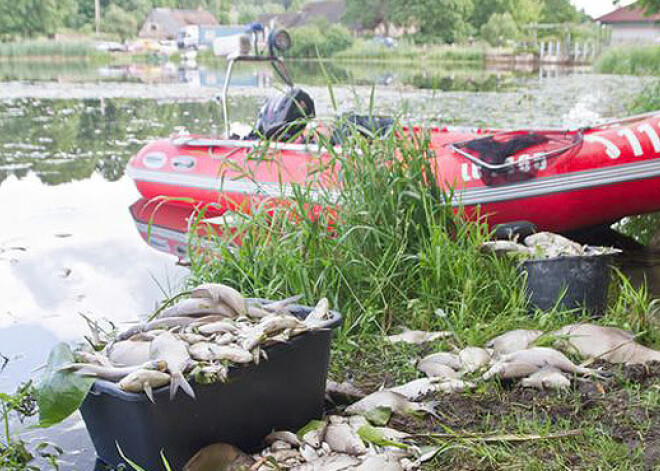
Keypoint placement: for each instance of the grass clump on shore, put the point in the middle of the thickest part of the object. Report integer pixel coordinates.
(391, 252)
(30, 49)
(642, 60)
(369, 50)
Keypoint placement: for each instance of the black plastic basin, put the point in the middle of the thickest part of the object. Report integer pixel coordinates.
(569, 283)
(284, 392)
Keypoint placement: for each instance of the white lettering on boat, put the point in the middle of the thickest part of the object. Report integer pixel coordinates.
(611, 149)
(647, 129)
(633, 140)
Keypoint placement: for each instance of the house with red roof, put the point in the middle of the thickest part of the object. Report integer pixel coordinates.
(631, 25)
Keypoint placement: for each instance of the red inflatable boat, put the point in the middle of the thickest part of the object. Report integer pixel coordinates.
(558, 180)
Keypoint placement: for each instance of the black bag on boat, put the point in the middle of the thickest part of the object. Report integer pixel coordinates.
(284, 118)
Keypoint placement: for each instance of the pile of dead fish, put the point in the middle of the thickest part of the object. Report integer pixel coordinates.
(362, 440)
(516, 355)
(199, 337)
(334, 444)
(545, 245)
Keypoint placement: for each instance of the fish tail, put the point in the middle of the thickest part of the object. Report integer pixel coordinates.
(179, 381)
(429, 408)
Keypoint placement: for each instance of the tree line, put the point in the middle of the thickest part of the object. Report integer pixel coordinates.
(30, 18)
(456, 20)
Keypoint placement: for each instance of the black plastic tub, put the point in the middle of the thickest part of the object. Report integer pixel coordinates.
(284, 392)
(569, 283)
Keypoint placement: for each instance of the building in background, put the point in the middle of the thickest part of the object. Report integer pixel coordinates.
(629, 25)
(165, 23)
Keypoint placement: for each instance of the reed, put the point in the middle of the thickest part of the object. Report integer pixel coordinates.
(47, 49)
(642, 60)
(363, 50)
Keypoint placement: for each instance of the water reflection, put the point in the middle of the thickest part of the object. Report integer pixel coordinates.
(67, 140)
(469, 77)
(166, 227)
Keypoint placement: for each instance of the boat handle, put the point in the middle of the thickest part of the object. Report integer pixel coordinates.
(506, 166)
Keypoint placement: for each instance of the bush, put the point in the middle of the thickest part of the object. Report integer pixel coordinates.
(310, 41)
(499, 29)
(643, 60)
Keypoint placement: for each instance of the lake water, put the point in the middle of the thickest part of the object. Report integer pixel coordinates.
(69, 244)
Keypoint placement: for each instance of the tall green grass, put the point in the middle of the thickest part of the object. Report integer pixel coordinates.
(46, 49)
(642, 60)
(392, 252)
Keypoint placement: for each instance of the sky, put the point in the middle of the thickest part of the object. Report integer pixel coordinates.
(597, 8)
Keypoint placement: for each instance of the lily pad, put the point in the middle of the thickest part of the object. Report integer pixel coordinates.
(60, 393)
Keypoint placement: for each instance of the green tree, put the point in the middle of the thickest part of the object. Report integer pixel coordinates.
(559, 11)
(369, 13)
(118, 21)
(443, 20)
(522, 11)
(499, 28)
(651, 6)
(29, 18)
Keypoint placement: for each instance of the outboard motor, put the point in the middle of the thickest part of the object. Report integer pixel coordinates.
(284, 118)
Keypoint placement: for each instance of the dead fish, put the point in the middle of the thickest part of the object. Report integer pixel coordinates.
(512, 341)
(208, 351)
(144, 380)
(256, 312)
(308, 453)
(219, 457)
(341, 393)
(454, 385)
(510, 370)
(379, 463)
(314, 436)
(217, 327)
(219, 293)
(544, 356)
(546, 378)
(394, 402)
(196, 307)
(111, 373)
(283, 435)
(436, 370)
(128, 352)
(342, 439)
(174, 352)
(191, 338)
(443, 358)
(552, 245)
(473, 358)
(416, 389)
(319, 315)
(608, 343)
(165, 323)
(418, 337)
(92, 358)
(334, 462)
(275, 324)
(504, 247)
(282, 304)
